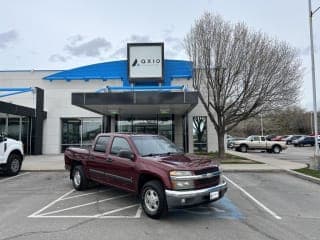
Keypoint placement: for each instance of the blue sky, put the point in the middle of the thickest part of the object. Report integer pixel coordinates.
(64, 34)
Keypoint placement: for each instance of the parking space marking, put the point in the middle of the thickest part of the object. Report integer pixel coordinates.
(40, 214)
(9, 178)
(85, 194)
(86, 204)
(35, 214)
(116, 210)
(273, 214)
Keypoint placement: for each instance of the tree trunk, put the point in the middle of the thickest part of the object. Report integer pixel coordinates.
(221, 146)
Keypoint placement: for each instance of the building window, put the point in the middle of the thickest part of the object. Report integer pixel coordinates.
(147, 124)
(200, 134)
(79, 132)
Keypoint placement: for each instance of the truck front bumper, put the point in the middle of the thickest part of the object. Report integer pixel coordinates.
(185, 198)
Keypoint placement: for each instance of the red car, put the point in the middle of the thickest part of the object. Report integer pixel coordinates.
(279, 138)
(150, 166)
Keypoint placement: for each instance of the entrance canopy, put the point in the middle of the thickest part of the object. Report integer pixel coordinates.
(146, 102)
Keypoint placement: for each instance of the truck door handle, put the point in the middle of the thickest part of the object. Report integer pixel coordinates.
(109, 160)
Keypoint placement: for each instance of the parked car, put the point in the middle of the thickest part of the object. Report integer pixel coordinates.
(269, 137)
(279, 138)
(150, 166)
(231, 141)
(302, 141)
(11, 155)
(259, 143)
(291, 138)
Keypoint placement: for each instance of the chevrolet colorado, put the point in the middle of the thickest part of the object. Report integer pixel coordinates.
(150, 166)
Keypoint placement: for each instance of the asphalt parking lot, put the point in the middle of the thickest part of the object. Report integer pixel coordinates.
(43, 205)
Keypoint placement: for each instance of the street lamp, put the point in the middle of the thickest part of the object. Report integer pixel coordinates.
(315, 163)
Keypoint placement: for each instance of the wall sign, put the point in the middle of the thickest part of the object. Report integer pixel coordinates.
(145, 62)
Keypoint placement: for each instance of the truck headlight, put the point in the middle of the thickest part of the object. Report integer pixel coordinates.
(180, 184)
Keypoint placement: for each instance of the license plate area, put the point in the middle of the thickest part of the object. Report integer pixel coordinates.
(214, 195)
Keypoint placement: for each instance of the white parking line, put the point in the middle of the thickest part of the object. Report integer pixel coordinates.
(85, 194)
(86, 204)
(115, 210)
(40, 214)
(9, 178)
(273, 214)
(35, 214)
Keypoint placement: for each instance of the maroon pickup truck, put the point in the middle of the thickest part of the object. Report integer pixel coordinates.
(150, 166)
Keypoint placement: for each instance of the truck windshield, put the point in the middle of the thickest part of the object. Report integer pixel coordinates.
(154, 145)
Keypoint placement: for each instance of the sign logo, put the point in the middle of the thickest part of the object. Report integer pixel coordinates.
(145, 62)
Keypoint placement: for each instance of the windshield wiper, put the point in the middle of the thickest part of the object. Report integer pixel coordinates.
(151, 155)
(171, 153)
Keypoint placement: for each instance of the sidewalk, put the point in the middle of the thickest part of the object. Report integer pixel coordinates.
(56, 163)
(43, 163)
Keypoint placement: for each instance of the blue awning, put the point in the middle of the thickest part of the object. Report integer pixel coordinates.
(118, 70)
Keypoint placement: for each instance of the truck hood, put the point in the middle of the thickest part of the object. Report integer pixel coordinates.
(187, 161)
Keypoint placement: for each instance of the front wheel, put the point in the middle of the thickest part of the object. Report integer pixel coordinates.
(243, 148)
(153, 199)
(14, 164)
(79, 179)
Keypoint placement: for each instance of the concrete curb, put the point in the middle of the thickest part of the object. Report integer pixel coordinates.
(303, 176)
(43, 170)
(252, 170)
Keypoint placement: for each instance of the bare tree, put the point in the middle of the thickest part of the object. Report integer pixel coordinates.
(240, 73)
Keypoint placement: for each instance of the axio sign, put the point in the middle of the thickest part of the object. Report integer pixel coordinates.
(145, 61)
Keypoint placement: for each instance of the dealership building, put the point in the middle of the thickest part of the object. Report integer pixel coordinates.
(50, 110)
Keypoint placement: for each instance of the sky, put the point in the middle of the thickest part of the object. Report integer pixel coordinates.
(58, 35)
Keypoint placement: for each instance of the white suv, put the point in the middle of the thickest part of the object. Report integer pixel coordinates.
(11, 155)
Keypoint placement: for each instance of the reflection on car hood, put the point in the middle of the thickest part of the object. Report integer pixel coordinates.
(189, 161)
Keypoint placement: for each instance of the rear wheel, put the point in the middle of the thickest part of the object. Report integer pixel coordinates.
(14, 164)
(153, 199)
(79, 179)
(276, 149)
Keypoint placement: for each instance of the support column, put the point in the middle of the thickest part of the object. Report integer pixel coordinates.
(37, 123)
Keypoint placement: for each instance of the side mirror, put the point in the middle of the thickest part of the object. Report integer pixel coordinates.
(126, 154)
(251, 140)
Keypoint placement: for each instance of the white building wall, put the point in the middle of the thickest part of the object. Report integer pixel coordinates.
(57, 100)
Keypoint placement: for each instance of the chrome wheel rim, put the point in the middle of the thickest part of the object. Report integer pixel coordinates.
(151, 200)
(15, 165)
(77, 178)
(276, 150)
(243, 149)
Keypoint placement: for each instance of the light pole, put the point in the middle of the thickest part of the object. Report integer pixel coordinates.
(261, 124)
(315, 163)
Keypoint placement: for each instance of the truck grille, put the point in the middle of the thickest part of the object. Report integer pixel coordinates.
(206, 170)
(207, 182)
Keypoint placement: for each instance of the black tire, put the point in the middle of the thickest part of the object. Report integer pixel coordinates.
(243, 148)
(13, 166)
(79, 179)
(160, 205)
(276, 149)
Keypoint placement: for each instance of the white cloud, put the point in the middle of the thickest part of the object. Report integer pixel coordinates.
(7, 37)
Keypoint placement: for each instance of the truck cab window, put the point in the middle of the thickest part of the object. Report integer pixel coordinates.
(101, 144)
(119, 144)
